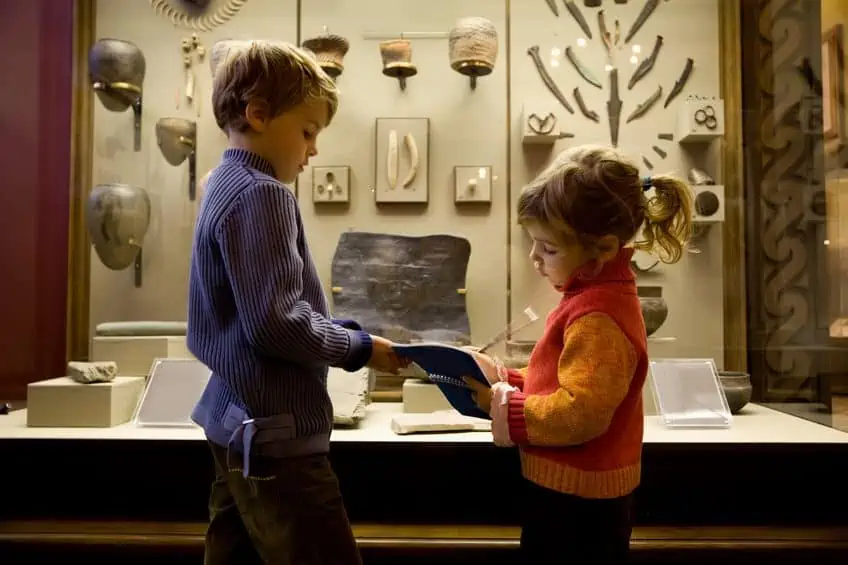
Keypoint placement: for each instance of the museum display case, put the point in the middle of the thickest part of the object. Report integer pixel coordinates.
(447, 110)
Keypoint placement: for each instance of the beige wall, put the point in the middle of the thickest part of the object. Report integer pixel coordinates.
(467, 128)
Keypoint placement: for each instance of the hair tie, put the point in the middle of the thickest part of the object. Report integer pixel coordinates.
(647, 183)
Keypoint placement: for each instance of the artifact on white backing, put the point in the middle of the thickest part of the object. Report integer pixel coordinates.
(97, 372)
(198, 15)
(392, 160)
(412, 153)
(330, 50)
(177, 140)
(397, 60)
(191, 46)
(348, 394)
(533, 51)
(117, 217)
(541, 126)
(473, 47)
(116, 70)
(402, 161)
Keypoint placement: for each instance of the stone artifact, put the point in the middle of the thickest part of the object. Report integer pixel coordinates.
(654, 307)
(541, 126)
(737, 389)
(349, 395)
(659, 151)
(578, 17)
(552, 5)
(221, 49)
(681, 82)
(647, 104)
(87, 373)
(582, 69)
(403, 288)
(116, 70)
(591, 114)
(117, 217)
(397, 60)
(533, 51)
(438, 422)
(330, 51)
(646, 65)
(177, 140)
(614, 107)
(198, 15)
(643, 16)
(473, 47)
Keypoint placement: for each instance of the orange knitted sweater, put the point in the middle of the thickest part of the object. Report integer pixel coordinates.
(577, 415)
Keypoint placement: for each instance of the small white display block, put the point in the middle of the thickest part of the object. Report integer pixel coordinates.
(331, 185)
(134, 355)
(540, 124)
(709, 203)
(421, 397)
(695, 118)
(472, 184)
(65, 403)
(688, 393)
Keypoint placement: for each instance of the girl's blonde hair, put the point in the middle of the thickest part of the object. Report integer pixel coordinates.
(590, 191)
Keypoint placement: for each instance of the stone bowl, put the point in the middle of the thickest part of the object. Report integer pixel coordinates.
(737, 389)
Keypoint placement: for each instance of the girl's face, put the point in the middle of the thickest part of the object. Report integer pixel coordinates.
(553, 260)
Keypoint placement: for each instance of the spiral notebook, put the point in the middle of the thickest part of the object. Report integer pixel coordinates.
(446, 366)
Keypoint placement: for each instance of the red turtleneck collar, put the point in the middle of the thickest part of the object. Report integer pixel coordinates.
(616, 270)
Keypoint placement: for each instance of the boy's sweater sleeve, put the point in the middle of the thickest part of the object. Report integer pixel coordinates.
(259, 243)
(595, 369)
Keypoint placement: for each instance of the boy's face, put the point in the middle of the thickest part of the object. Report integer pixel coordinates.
(289, 140)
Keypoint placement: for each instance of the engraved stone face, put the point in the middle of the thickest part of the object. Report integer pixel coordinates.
(403, 288)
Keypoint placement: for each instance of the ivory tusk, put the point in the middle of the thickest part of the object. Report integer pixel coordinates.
(392, 160)
(412, 150)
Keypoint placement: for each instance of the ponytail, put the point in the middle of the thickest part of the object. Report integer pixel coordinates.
(668, 219)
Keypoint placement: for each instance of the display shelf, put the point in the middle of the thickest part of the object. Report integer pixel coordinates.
(754, 425)
(700, 121)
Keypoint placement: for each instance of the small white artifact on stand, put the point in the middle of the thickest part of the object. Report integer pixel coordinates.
(349, 395)
(134, 346)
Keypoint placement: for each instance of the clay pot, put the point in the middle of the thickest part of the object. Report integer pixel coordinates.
(518, 353)
(654, 307)
(737, 389)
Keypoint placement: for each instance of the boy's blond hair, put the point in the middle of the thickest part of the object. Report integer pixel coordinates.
(278, 73)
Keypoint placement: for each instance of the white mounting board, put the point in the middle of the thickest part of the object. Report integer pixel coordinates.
(172, 390)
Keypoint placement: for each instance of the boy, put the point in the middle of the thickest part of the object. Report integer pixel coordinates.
(258, 318)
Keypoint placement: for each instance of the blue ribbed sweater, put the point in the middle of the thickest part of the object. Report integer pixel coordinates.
(257, 314)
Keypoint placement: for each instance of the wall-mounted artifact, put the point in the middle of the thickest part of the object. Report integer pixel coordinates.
(403, 288)
(177, 140)
(539, 124)
(198, 15)
(680, 83)
(473, 47)
(606, 36)
(578, 17)
(191, 47)
(590, 114)
(221, 49)
(644, 14)
(614, 108)
(533, 51)
(117, 217)
(643, 107)
(403, 161)
(331, 185)
(660, 151)
(397, 60)
(708, 203)
(592, 3)
(330, 50)
(666, 136)
(700, 119)
(116, 70)
(647, 64)
(553, 6)
(472, 184)
(699, 177)
(621, 1)
(647, 163)
(582, 69)
(654, 307)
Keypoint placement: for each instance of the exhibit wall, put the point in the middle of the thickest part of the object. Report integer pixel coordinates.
(459, 130)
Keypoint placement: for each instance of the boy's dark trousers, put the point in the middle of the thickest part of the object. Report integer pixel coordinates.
(288, 512)
(561, 528)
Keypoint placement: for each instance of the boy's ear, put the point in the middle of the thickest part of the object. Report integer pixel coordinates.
(256, 114)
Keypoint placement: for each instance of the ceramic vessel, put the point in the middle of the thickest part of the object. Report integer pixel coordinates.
(518, 353)
(654, 307)
(737, 389)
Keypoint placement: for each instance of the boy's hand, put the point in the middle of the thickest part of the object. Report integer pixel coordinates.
(384, 358)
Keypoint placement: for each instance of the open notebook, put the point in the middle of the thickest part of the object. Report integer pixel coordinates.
(446, 365)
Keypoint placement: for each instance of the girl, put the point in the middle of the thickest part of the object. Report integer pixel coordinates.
(576, 410)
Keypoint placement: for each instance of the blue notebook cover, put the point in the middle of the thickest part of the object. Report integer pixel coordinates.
(446, 366)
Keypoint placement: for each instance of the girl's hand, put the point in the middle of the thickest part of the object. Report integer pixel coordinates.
(490, 367)
(481, 394)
